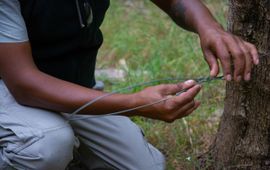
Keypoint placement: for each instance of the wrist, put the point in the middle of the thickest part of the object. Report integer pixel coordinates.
(133, 102)
(208, 28)
(136, 100)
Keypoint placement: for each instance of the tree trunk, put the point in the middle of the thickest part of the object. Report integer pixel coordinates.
(243, 138)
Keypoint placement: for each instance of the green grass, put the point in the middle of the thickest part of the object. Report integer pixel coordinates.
(154, 47)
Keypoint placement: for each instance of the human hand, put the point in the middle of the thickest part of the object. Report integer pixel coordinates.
(218, 44)
(172, 109)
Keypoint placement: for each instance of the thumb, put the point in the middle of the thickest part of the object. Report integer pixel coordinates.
(212, 62)
(175, 88)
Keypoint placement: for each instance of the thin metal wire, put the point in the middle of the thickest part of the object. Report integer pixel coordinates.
(198, 80)
(70, 118)
(121, 90)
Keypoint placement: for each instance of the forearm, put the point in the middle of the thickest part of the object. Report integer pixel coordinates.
(189, 14)
(43, 91)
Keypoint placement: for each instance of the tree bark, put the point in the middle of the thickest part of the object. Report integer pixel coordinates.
(243, 138)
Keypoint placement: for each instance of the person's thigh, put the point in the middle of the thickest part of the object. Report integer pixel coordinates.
(118, 141)
(32, 138)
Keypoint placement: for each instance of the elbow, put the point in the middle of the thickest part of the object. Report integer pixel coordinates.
(22, 100)
(22, 95)
(22, 84)
(22, 91)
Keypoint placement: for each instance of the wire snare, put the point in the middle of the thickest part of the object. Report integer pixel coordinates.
(70, 118)
(201, 80)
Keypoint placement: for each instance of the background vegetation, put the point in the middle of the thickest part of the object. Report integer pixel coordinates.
(145, 44)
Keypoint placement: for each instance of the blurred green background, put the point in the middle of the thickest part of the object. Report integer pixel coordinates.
(142, 43)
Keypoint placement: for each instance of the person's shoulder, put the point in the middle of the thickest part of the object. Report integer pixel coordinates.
(12, 26)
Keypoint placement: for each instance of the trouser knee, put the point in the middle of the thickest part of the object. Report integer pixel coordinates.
(119, 142)
(53, 151)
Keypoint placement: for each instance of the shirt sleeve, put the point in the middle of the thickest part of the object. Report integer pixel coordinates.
(12, 25)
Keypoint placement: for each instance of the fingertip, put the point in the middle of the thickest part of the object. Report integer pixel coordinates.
(214, 70)
(190, 82)
(196, 89)
(256, 61)
(228, 77)
(199, 86)
(247, 77)
(213, 73)
(212, 63)
(255, 58)
(197, 103)
(255, 54)
(238, 78)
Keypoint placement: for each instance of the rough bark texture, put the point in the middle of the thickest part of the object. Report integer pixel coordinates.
(243, 138)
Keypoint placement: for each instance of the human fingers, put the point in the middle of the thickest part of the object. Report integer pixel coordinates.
(238, 57)
(172, 89)
(187, 96)
(254, 52)
(242, 59)
(212, 62)
(177, 102)
(188, 112)
(182, 112)
(248, 57)
(225, 59)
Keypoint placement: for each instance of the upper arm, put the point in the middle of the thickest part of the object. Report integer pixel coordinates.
(15, 52)
(15, 60)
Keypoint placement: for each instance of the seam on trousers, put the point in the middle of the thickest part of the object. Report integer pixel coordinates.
(26, 136)
(61, 126)
(28, 143)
